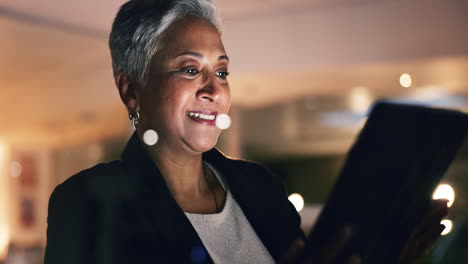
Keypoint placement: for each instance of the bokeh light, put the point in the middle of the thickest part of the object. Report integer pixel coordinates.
(223, 121)
(16, 169)
(448, 226)
(444, 191)
(297, 200)
(405, 80)
(4, 240)
(150, 137)
(360, 99)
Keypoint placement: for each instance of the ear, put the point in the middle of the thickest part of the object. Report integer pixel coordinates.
(129, 91)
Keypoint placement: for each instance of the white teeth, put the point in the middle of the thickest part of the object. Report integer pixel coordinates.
(201, 116)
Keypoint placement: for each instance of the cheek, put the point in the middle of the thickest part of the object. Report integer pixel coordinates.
(228, 98)
(175, 99)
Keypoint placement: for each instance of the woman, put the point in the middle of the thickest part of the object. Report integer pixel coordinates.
(180, 200)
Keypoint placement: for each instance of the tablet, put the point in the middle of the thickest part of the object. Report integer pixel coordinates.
(388, 178)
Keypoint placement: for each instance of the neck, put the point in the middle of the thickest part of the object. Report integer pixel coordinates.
(195, 188)
(183, 173)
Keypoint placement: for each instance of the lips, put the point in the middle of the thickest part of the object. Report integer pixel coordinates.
(205, 117)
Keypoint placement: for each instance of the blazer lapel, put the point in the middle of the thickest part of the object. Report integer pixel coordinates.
(251, 196)
(170, 227)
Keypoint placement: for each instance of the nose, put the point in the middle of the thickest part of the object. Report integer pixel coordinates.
(210, 89)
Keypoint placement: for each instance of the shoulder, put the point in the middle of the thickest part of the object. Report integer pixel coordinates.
(97, 173)
(246, 172)
(97, 180)
(254, 170)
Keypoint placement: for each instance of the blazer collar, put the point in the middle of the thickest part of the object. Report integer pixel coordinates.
(169, 220)
(170, 227)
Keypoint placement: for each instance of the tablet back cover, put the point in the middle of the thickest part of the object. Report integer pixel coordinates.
(390, 173)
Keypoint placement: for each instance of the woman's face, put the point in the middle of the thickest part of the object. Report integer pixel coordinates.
(187, 78)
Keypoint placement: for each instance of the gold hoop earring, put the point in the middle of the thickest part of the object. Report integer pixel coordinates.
(134, 116)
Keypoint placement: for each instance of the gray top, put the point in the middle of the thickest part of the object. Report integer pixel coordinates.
(228, 236)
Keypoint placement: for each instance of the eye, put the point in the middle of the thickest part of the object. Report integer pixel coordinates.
(190, 71)
(222, 74)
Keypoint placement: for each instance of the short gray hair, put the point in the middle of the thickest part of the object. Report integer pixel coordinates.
(138, 28)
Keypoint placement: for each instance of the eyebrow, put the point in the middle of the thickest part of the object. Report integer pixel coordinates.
(224, 57)
(199, 55)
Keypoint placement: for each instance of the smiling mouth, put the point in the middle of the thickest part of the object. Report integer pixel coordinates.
(204, 117)
(209, 117)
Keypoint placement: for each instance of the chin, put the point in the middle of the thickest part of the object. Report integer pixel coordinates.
(203, 145)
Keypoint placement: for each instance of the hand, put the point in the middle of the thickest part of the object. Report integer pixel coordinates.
(326, 255)
(425, 234)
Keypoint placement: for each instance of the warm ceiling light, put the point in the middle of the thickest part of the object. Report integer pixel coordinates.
(360, 99)
(405, 80)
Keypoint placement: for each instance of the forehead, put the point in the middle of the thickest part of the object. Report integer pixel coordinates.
(194, 34)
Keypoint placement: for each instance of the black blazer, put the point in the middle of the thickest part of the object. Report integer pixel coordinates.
(122, 212)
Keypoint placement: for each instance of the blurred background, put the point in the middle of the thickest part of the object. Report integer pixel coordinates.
(303, 75)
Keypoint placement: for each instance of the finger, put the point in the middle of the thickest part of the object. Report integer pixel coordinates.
(438, 209)
(441, 205)
(429, 231)
(292, 254)
(427, 242)
(424, 237)
(441, 200)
